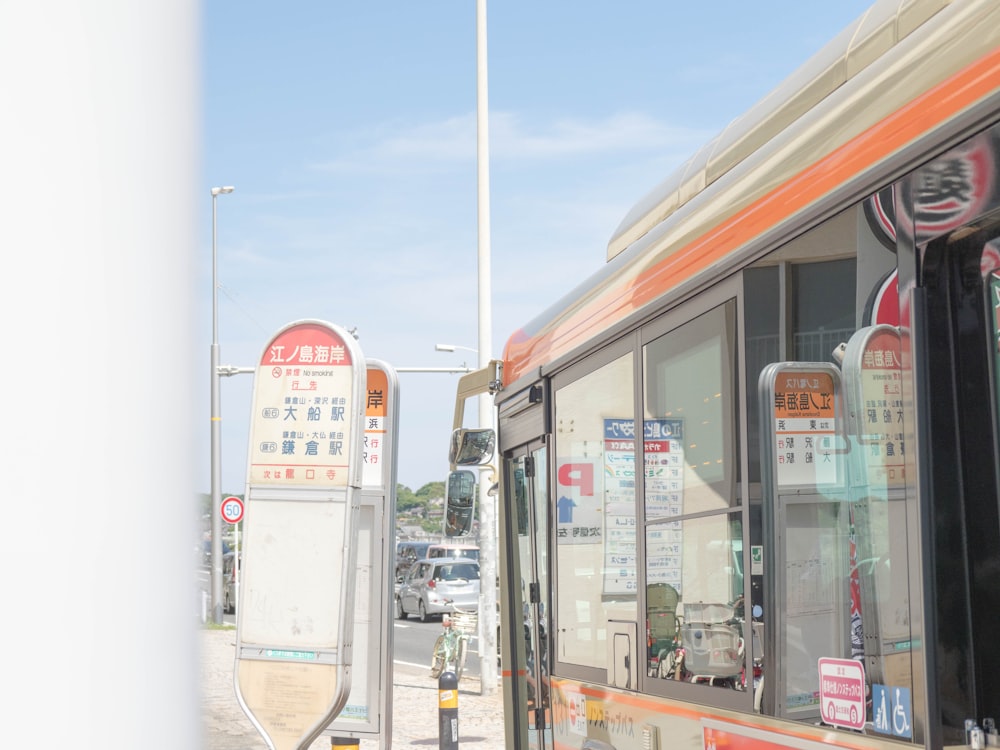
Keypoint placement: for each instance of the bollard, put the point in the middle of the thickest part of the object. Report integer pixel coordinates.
(448, 711)
(344, 743)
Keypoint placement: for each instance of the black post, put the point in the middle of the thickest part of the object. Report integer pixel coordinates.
(448, 711)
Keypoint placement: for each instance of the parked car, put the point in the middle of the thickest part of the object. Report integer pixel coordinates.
(470, 551)
(436, 586)
(408, 553)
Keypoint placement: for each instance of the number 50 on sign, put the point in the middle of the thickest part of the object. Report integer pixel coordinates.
(232, 509)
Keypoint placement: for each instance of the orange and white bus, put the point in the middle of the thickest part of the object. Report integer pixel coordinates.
(749, 468)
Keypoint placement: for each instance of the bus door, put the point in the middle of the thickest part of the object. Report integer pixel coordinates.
(950, 283)
(526, 471)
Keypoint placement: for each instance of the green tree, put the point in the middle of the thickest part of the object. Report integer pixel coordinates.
(431, 490)
(405, 499)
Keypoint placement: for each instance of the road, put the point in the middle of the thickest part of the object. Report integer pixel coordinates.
(413, 641)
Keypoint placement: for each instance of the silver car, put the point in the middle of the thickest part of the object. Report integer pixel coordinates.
(434, 587)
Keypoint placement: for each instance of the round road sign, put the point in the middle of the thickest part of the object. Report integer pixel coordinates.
(232, 509)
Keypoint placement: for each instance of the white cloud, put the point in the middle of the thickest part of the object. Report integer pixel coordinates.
(512, 138)
(445, 141)
(623, 132)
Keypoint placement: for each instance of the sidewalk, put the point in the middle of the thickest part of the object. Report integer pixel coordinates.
(414, 707)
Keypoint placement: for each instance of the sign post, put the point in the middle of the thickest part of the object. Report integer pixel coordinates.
(295, 623)
(368, 711)
(804, 558)
(231, 510)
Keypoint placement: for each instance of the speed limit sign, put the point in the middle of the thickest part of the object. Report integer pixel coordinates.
(232, 509)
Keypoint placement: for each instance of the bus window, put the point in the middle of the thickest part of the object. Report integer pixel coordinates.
(762, 345)
(594, 510)
(694, 565)
(696, 626)
(689, 427)
(824, 305)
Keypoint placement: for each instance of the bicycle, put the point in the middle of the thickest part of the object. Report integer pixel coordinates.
(452, 646)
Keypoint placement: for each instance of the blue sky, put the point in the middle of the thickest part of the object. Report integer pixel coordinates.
(348, 130)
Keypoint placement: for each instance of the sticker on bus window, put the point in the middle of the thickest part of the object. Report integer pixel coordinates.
(842, 692)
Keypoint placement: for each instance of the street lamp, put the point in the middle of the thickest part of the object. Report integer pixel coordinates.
(453, 347)
(487, 418)
(216, 427)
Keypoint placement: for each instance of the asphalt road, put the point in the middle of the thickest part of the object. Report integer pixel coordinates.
(413, 641)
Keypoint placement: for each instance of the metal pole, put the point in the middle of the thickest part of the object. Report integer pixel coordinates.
(216, 427)
(236, 568)
(453, 370)
(487, 524)
(448, 711)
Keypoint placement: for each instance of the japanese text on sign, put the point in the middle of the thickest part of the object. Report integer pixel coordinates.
(663, 459)
(842, 692)
(881, 409)
(303, 410)
(375, 428)
(805, 428)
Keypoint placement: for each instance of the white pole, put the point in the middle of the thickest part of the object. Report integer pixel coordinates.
(487, 522)
(236, 568)
(216, 556)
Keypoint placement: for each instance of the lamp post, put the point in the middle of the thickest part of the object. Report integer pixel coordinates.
(453, 347)
(216, 427)
(487, 522)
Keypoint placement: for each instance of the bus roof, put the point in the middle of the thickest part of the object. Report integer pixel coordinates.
(855, 48)
(903, 70)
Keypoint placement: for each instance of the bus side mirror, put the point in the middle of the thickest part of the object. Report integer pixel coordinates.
(460, 503)
(471, 447)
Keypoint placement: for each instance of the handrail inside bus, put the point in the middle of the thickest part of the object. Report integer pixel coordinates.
(476, 383)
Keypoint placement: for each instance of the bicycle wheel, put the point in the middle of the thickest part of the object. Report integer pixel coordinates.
(438, 657)
(463, 644)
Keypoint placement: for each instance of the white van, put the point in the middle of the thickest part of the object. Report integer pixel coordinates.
(469, 551)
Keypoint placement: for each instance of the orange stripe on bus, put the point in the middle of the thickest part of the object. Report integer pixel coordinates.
(684, 710)
(672, 707)
(922, 114)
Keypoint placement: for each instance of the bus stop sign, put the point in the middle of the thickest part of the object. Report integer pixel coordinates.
(295, 621)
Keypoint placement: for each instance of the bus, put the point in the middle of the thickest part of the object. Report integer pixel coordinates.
(748, 470)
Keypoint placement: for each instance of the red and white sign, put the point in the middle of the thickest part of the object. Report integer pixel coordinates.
(577, 713)
(303, 415)
(806, 425)
(377, 424)
(842, 692)
(579, 507)
(231, 509)
(885, 305)
(301, 533)
(880, 415)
